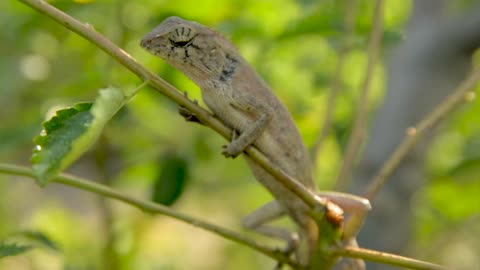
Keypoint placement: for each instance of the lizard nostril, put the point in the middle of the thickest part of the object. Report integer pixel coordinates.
(144, 43)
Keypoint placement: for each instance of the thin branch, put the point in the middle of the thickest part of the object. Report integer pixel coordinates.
(386, 258)
(358, 130)
(151, 208)
(459, 96)
(349, 24)
(87, 32)
(154, 208)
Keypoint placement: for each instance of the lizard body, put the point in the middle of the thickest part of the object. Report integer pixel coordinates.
(242, 100)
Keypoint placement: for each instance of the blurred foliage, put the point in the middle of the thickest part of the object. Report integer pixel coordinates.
(22, 242)
(12, 249)
(171, 181)
(292, 44)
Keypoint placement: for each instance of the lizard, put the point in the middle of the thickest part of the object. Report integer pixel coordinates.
(239, 97)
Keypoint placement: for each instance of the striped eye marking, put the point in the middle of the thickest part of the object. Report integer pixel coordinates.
(181, 36)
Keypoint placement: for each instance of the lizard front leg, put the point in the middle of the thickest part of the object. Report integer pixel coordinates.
(250, 106)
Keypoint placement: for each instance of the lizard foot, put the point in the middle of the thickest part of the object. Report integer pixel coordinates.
(292, 245)
(186, 114)
(232, 149)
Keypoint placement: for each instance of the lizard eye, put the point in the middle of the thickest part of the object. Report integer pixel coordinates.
(181, 36)
(180, 43)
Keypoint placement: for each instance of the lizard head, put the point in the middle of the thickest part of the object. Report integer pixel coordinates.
(192, 48)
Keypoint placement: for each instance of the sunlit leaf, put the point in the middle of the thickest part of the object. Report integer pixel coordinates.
(71, 132)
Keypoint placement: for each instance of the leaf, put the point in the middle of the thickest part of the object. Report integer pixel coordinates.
(12, 249)
(171, 181)
(40, 238)
(24, 241)
(71, 132)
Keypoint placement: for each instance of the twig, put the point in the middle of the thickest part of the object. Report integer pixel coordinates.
(386, 258)
(358, 130)
(151, 208)
(87, 32)
(349, 24)
(460, 95)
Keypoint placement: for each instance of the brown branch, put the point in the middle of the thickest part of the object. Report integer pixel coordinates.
(349, 24)
(358, 130)
(460, 95)
(386, 258)
(151, 208)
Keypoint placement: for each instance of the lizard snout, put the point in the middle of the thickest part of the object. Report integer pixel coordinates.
(146, 42)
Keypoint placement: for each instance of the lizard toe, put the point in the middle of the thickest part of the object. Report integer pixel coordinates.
(228, 151)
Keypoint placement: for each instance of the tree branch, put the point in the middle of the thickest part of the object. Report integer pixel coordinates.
(151, 208)
(358, 130)
(349, 25)
(460, 95)
(386, 258)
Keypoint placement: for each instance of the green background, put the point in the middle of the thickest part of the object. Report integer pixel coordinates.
(292, 44)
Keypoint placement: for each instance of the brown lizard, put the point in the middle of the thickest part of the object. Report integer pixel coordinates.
(242, 100)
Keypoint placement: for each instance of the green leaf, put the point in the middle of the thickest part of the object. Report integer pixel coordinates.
(40, 238)
(71, 132)
(12, 249)
(171, 181)
(20, 242)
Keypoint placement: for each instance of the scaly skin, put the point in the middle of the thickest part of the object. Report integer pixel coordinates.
(242, 100)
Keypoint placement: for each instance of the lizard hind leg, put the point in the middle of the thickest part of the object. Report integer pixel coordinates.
(270, 211)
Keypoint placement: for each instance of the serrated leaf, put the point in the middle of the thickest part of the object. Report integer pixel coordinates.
(171, 181)
(12, 249)
(69, 134)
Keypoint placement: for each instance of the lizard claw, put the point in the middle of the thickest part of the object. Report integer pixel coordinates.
(185, 94)
(188, 115)
(292, 245)
(231, 149)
